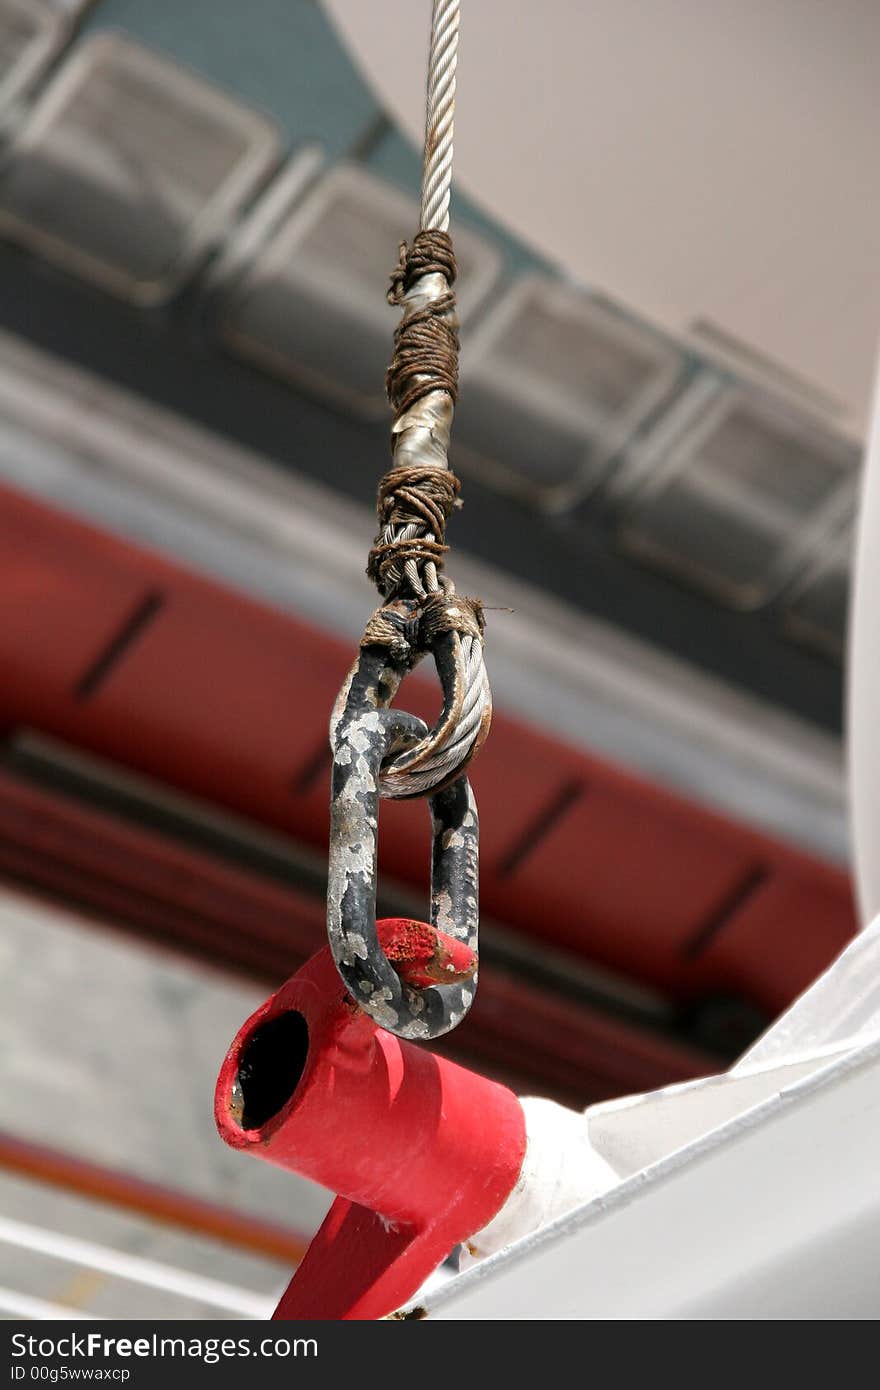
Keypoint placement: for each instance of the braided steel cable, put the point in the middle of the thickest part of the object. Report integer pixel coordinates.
(379, 750)
(440, 115)
(421, 431)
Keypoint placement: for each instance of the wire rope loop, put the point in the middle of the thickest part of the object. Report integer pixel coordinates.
(365, 732)
(383, 752)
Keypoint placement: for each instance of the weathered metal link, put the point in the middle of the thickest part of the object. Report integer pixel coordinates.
(364, 733)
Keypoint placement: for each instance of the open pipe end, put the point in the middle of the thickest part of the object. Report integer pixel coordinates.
(270, 1065)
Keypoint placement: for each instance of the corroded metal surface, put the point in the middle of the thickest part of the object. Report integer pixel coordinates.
(365, 732)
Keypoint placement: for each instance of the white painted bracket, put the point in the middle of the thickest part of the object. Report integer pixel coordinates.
(752, 1194)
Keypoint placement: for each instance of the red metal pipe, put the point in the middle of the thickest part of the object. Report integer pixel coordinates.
(127, 656)
(422, 1152)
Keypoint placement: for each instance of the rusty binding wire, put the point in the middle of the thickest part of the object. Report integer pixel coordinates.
(383, 752)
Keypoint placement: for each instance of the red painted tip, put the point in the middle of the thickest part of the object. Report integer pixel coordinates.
(422, 956)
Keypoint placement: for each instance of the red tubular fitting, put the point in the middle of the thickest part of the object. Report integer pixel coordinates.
(422, 1152)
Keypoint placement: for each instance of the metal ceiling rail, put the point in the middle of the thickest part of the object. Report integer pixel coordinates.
(40, 1163)
(135, 1269)
(22, 1305)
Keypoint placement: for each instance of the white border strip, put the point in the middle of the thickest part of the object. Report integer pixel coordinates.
(134, 1268)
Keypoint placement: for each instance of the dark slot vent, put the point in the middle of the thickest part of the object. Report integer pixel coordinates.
(313, 770)
(540, 827)
(726, 911)
(132, 629)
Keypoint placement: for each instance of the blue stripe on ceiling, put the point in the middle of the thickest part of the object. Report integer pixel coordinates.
(280, 56)
(283, 57)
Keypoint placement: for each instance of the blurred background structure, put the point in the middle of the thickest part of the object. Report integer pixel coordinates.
(200, 204)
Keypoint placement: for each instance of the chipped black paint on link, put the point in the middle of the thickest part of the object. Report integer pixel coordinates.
(364, 733)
